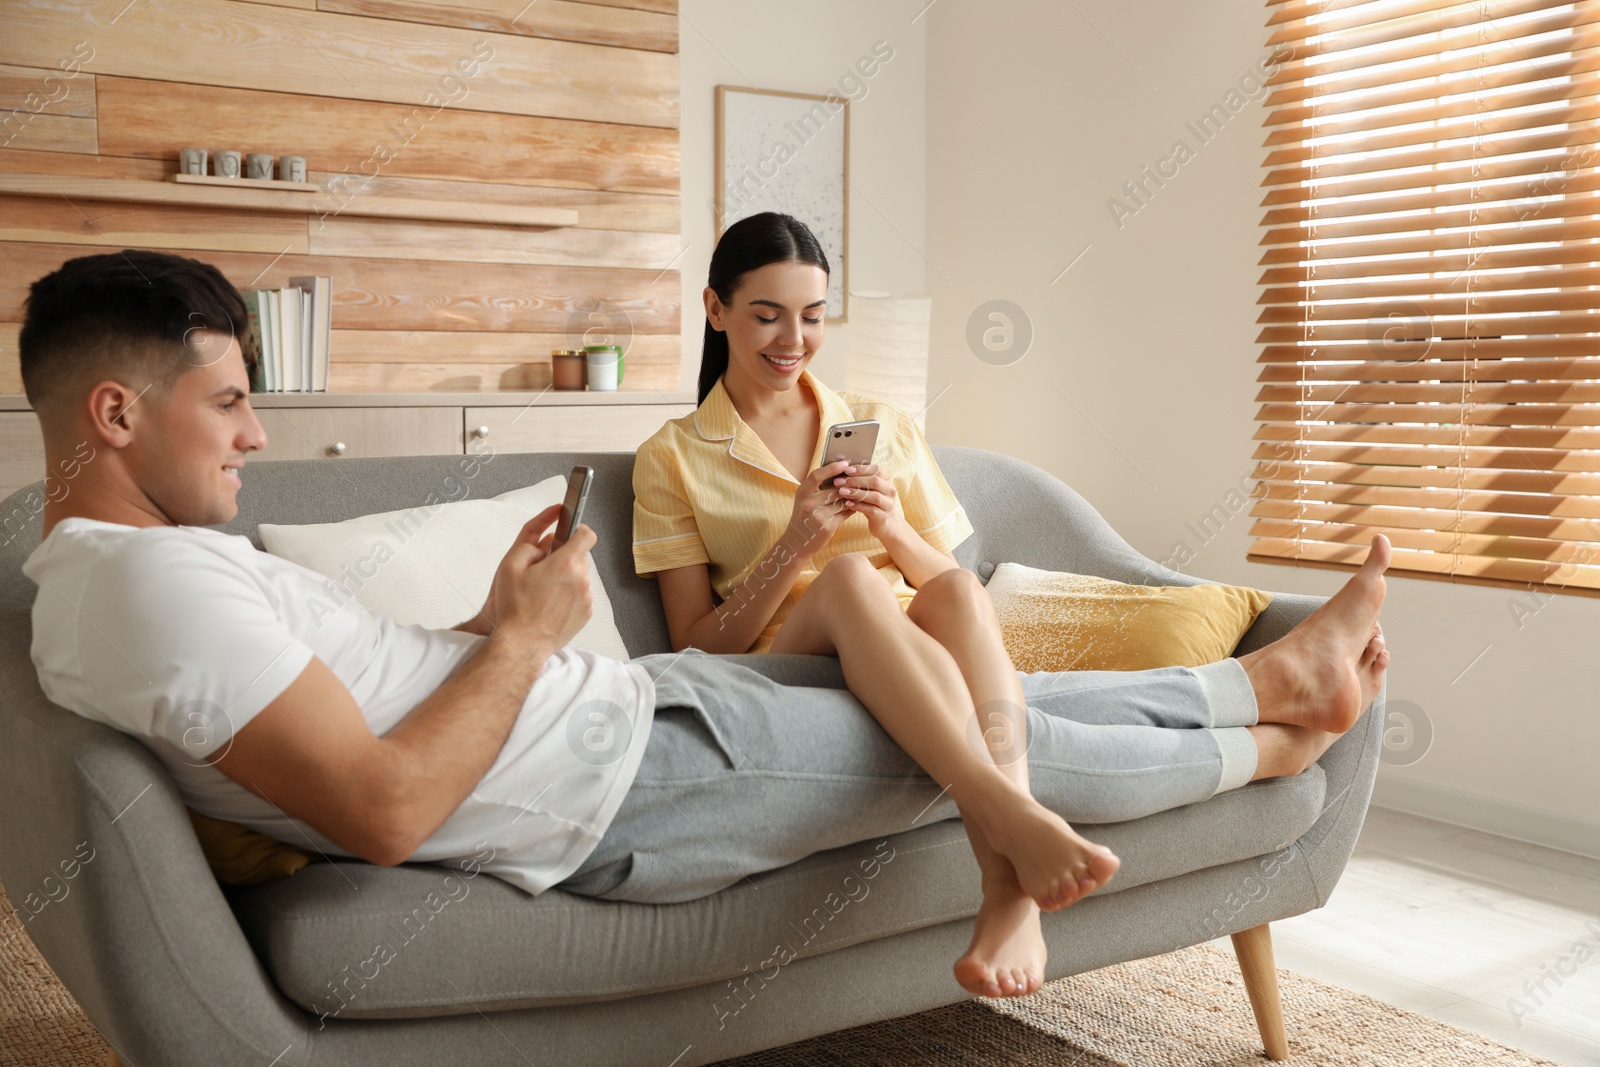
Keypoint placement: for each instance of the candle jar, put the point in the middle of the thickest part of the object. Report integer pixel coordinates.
(605, 366)
(567, 369)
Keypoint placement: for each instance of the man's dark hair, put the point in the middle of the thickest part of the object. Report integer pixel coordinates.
(130, 315)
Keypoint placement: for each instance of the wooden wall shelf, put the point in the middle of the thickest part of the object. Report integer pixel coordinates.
(283, 201)
(247, 183)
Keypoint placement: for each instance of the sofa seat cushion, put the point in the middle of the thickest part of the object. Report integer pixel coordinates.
(352, 941)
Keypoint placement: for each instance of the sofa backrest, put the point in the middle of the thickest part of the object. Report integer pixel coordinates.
(1019, 513)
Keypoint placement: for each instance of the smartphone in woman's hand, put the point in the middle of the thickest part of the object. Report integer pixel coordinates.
(853, 441)
(572, 506)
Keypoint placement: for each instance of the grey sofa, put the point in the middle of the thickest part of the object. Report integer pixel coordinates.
(175, 970)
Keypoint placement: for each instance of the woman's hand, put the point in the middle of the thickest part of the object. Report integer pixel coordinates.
(865, 489)
(868, 490)
(818, 510)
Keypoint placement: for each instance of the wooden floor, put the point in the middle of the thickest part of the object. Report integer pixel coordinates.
(1463, 926)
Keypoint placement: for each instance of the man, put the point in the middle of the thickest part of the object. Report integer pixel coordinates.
(393, 743)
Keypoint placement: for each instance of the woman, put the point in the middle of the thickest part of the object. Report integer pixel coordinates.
(761, 545)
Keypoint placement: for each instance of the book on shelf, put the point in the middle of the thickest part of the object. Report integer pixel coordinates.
(274, 331)
(269, 311)
(318, 308)
(289, 340)
(258, 379)
(293, 331)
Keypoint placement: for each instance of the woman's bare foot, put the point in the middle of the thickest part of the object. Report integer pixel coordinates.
(1325, 672)
(1007, 953)
(1055, 865)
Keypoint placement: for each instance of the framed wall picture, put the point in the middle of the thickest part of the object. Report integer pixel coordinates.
(788, 152)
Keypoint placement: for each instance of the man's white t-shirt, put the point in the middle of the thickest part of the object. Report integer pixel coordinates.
(180, 635)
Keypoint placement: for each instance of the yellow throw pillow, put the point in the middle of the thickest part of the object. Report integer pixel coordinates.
(241, 856)
(1055, 621)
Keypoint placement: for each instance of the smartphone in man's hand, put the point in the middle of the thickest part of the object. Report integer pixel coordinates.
(572, 507)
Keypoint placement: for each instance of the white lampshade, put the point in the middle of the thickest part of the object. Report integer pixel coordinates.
(888, 349)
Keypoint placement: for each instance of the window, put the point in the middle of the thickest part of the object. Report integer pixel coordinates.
(1430, 324)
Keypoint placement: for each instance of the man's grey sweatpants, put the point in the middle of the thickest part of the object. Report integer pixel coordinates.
(743, 774)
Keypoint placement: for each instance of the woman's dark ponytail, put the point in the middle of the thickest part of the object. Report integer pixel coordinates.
(747, 245)
(713, 359)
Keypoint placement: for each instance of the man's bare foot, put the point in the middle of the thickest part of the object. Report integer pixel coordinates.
(1372, 665)
(1055, 865)
(1283, 751)
(1325, 672)
(1007, 953)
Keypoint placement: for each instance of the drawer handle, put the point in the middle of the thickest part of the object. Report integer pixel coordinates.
(481, 432)
(338, 448)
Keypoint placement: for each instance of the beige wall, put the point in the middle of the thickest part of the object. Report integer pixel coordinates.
(806, 48)
(1036, 119)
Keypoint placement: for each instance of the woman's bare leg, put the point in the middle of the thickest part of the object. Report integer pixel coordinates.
(1310, 686)
(913, 687)
(1007, 954)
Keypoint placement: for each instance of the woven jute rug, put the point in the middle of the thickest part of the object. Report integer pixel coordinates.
(1186, 1009)
(40, 1023)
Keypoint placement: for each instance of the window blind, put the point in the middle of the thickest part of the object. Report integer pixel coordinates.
(1430, 322)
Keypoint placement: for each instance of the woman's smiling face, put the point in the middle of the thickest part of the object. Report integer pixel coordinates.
(774, 322)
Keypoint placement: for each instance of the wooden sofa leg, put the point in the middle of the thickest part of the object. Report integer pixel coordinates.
(113, 1060)
(1254, 949)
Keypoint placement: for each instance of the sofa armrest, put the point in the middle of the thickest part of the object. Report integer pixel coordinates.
(1286, 611)
(141, 933)
(1350, 766)
(1033, 518)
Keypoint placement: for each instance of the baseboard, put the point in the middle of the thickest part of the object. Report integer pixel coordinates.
(1476, 812)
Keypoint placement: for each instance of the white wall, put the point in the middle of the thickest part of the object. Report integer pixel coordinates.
(1037, 115)
(806, 48)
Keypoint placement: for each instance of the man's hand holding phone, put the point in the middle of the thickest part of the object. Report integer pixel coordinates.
(540, 597)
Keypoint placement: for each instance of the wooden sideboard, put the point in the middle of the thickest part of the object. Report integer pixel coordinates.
(336, 425)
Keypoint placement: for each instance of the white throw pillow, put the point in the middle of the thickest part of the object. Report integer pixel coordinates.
(432, 566)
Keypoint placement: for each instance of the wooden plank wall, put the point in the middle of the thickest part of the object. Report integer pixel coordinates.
(568, 104)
